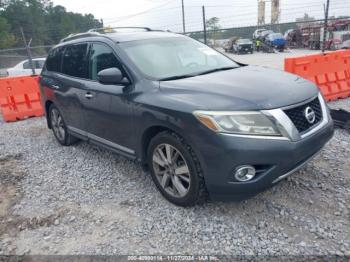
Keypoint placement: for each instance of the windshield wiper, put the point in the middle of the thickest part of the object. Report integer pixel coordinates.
(216, 70)
(175, 77)
(197, 74)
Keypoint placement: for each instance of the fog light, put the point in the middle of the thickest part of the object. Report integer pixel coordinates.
(245, 173)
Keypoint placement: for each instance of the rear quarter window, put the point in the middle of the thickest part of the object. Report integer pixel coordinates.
(26, 65)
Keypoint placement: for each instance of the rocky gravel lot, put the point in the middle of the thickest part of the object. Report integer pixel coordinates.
(85, 200)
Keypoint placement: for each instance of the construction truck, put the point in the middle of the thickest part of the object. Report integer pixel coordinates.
(275, 41)
(243, 46)
(269, 41)
(337, 33)
(293, 38)
(238, 45)
(311, 35)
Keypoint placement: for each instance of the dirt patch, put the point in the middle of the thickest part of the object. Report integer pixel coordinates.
(10, 194)
(38, 131)
(10, 177)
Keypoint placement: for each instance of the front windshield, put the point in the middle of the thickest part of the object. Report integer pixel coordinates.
(244, 41)
(267, 32)
(174, 56)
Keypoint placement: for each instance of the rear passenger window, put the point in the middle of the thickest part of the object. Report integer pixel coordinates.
(26, 65)
(39, 64)
(75, 61)
(54, 60)
(101, 57)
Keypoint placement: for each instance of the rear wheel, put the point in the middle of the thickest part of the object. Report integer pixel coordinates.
(175, 170)
(59, 127)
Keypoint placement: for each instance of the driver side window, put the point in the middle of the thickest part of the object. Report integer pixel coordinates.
(101, 57)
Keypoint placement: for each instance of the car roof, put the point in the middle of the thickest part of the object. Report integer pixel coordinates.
(118, 37)
(33, 59)
(133, 36)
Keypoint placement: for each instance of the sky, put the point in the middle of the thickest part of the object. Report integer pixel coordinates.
(167, 14)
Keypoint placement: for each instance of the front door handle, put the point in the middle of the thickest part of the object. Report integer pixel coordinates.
(55, 86)
(89, 95)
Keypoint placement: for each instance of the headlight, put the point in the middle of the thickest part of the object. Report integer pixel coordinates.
(245, 123)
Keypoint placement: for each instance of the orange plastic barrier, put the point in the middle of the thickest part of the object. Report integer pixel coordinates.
(20, 98)
(329, 71)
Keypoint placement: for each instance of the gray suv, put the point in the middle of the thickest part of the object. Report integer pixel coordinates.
(201, 123)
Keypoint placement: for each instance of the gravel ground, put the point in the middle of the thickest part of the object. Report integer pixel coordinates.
(85, 200)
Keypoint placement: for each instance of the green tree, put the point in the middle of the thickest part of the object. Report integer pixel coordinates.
(28, 14)
(213, 23)
(6, 38)
(213, 27)
(43, 22)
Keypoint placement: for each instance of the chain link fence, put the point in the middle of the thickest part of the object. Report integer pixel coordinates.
(9, 58)
(13, 58)
(307, 30)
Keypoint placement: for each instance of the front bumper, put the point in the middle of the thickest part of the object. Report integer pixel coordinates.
(274, 158)
(245, 50)
(279, 159)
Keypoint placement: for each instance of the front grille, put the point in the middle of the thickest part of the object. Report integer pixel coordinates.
(246, 46)
(297, 115)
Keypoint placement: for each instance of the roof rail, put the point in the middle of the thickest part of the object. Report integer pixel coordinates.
(115, 29)
(101, 31)
(79, 35)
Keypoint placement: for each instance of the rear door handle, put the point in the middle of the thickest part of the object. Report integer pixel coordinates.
(89, 95)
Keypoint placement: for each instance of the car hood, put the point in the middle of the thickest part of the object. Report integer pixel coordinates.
(244, 43)
(243, 88)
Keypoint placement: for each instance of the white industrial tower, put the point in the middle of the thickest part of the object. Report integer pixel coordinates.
(261, 12)
(275, 11)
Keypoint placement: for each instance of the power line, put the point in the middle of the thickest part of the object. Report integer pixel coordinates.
(137, 14)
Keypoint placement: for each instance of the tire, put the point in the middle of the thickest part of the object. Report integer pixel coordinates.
(59, 127)
(192, 181)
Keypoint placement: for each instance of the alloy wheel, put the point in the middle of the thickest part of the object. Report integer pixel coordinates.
(57, 124)
(171, 170)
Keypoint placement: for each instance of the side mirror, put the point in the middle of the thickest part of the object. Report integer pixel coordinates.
(111, 76)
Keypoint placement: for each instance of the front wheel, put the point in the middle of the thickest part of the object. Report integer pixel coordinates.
(59, 127)
(176, 170)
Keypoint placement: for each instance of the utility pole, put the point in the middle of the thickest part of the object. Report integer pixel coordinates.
(204, 26)
(28, 51)
(325, 28)
(183, 17)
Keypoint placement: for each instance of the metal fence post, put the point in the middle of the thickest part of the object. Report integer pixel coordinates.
(183, 17)
(204, 26)
(325, 29)
(28, 51)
